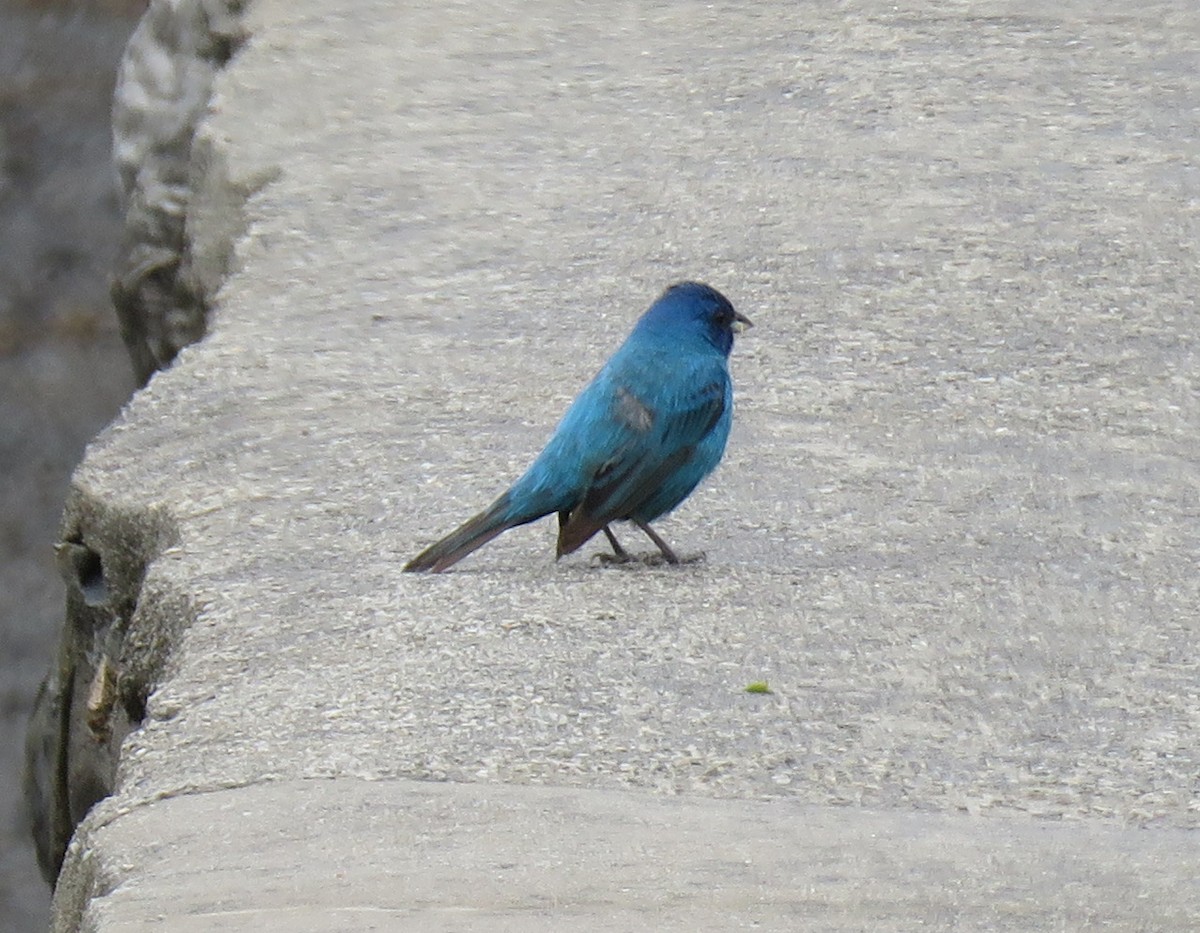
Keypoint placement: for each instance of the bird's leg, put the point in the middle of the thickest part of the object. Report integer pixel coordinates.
(667, 553)
(563, 516)
(619, 553)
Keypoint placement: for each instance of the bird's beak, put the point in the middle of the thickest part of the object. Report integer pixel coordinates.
(741, 322)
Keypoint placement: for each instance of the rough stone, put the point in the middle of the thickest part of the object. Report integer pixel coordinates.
(955, 533)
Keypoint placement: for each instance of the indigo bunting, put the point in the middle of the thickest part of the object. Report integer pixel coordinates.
(635, 443)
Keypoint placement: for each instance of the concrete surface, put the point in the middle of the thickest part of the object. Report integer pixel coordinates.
(347, 854)
(956, 529)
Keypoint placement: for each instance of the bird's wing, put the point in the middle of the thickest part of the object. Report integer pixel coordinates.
(640, 468)
(649, 444)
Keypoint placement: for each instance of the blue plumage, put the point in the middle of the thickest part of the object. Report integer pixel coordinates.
(635, 443)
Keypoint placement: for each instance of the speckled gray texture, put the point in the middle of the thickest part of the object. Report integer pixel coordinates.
(349, 855)
(956, 529)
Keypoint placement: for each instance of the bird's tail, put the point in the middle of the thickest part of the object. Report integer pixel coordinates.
(576, 530)
(469, 537)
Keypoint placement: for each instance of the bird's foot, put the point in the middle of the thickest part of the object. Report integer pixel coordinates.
(647, 560)
(616, 559)
(659, 560)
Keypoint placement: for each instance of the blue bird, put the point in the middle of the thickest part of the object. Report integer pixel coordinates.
(637, 440)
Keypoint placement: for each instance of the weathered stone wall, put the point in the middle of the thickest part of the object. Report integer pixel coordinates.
(955, 531)
(96, 691)
(64, 372)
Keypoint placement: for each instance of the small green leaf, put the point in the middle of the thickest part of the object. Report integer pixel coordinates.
(759, 686)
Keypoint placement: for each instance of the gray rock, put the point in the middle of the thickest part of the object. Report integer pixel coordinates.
(90, 700)
(96, 692)
(162, 93)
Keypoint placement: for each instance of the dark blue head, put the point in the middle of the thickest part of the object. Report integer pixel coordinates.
(689, 311)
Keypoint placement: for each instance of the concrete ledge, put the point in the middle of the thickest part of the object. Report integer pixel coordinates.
(343, 854)
(955, 530)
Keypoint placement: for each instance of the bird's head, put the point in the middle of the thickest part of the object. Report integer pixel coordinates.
(692, 310)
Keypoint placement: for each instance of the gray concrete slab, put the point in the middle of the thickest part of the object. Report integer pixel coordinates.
(346, 854)
(956, 529)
